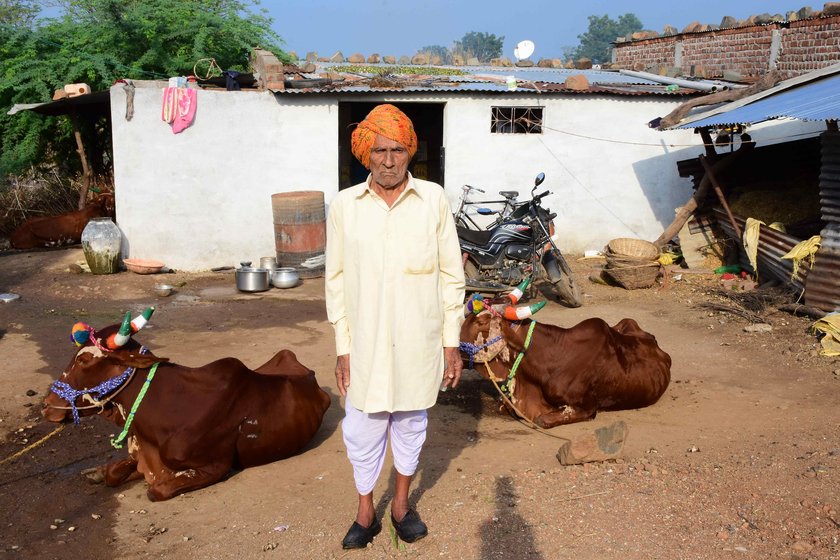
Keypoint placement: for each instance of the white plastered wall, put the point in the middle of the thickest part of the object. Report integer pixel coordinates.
(202, 198)
(609, 174)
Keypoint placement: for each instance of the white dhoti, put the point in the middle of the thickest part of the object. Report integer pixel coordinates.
(366, 436)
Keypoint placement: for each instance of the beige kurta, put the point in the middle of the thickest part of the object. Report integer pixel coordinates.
(395, 293)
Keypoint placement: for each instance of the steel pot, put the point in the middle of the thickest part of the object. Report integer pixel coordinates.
(252, 279)
(286, 277)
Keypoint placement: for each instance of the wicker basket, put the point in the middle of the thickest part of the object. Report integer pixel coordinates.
(634, 277)
(621, 261)
(628, 247)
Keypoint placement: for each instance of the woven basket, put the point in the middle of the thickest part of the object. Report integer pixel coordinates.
(634, 277)
(628, 247)
(621, 261)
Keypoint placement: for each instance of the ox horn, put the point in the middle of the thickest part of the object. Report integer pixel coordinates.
(140, 321)
(117, 340)
(519, 291)
(512, 313)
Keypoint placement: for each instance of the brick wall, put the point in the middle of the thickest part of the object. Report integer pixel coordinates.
(805, 45)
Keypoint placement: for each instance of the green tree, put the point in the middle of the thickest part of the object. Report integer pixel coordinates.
(17, 12)
(483, 46)
(100, 41)
(438, 50)
(595, 44)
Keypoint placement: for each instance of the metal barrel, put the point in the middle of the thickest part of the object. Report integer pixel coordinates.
(300, 231)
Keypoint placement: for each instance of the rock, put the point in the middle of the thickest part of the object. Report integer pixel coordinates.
(74, 268)
(527, 63)
(420, 59)
(31, 393)
(337, 57)
(556, 63)
(805, 12)
(308, 68)
(732, 76)
(311, 56)
(473, 61)
(544, 63)
(373, 59)
(728, 21)
(763, 18)
(356, 58)
(435, 60)
(457, 60)
(669, 30)
(792, 16)
(603, 444)
(692, 27)
(831, 8)
(389, 59)
(501, 62)
(758, 328)
(802, 546)
(577, 82)
(405, 60)
(583, 63)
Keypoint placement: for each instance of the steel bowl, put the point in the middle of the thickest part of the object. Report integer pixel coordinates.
(285, 277)
(252, 279)
(163, 290)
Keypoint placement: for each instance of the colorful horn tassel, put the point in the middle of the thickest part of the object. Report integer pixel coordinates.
(140, 321)
(518, 291)
(118, 340)
(80, 333)
(512, 313)
(476, 304)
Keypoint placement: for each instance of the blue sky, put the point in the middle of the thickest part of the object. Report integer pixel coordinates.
(399, 27)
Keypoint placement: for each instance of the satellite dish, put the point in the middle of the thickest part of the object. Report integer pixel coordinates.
(523, 50)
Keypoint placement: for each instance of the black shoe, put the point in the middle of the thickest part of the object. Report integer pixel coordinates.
(360, 537)
(411, 528)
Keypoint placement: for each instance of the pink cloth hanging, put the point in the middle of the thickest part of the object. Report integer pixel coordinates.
(178, 108)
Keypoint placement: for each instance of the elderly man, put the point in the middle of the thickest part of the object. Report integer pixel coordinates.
(395, 293)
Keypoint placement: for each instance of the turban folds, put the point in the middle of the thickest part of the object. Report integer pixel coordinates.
(388, 121)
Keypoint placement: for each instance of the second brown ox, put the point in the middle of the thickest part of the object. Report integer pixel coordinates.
(568, 374)
(194, 424)
(63, 229)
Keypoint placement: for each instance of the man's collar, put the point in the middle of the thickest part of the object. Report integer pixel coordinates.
(409, 188)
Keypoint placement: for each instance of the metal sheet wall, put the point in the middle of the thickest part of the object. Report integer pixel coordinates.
(823, 286)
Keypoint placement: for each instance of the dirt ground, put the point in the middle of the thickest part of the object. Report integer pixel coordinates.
(739, 459)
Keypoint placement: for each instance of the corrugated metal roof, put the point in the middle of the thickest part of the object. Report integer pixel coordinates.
(814, 96)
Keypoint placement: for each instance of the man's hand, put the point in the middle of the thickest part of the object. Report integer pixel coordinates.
(342, 373)
(452, 371)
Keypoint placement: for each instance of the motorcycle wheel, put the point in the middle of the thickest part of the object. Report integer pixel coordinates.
(562, 281)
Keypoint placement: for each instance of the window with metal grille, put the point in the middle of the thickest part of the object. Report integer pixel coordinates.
(517, 120)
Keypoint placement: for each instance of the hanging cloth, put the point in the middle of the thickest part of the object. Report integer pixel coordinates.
(750, 240)
(179, 105)
(805, 250)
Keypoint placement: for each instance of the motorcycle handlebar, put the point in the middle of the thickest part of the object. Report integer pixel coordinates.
(541, 195)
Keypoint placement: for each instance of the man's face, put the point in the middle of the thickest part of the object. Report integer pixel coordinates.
(388, 162)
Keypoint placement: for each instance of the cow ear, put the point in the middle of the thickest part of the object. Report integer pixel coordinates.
(136, 359)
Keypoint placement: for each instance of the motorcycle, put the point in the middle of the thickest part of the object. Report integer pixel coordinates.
(517, 248)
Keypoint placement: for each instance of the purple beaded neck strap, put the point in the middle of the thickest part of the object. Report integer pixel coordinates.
(70, 394)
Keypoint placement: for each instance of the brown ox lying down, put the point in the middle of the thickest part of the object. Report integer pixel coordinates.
(64, 229)
(568, 375)
(195, 424)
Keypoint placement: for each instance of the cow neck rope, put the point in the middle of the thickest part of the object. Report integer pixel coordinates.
(115, 384)
(507, 386)
(117, 442)
(522, 418)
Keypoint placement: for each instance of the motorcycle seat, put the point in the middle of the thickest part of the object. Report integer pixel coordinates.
(480, 238)
(509, 194)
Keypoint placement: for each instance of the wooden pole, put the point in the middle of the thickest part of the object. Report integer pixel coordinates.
(687, 209)
(719, 193)
(80, 149)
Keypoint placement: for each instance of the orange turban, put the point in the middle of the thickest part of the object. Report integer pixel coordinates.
(388, 121)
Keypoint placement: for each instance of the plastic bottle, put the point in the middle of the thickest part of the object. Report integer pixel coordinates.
(733, 268)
